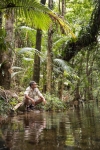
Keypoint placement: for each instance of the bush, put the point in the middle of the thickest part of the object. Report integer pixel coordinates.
(53, 103)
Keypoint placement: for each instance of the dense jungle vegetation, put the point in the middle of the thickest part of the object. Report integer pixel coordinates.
(55, 43)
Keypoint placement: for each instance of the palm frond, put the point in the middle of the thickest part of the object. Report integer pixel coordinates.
(29, 49)
(28, 59)
(27, 28)
(60, 41)
(62, 23)
(63, 65)
(34, 13)
(26, 49)
(15, 73)
(15, 67)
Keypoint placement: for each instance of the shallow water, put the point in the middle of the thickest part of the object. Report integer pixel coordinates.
(38, 130)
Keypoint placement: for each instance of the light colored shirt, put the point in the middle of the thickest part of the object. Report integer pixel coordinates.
(33, 93)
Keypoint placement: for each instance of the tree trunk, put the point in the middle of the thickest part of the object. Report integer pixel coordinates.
(60, 84)
(77, 95)
(0, 19)
(36, 68)
(60, 87)
(49, 54)
(44, 77)
(89, 66)
(36, 72)
(49, 61)
(1, 51)
(59, 7)
(63, 8)
(1, 35)
(6, 55)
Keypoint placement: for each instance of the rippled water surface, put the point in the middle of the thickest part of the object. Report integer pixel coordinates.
(38, 130)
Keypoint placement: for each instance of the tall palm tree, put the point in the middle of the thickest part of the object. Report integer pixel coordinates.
(36, 68)
(60, 83)
(49, 53)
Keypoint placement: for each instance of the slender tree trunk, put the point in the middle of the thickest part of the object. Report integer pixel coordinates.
(60, 84)
(1, 51)
(91, 81)
(60, 87)
(88, 73)
(77, 95)
(36, 72)
(36, 66)
(44, 77)
(49, 61)
(0, 29)
(5, 71)
(0, 19)
(89, 65)
(59, 7)
(49, 54)
(63, 8)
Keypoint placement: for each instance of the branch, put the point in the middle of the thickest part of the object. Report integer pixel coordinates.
(87, 38)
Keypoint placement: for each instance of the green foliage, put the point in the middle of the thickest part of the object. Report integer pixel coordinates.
(24, 34)
(62, 65)
(63, 69)
(54, 103)
(34, 14)
(79, 13)
(6, 106)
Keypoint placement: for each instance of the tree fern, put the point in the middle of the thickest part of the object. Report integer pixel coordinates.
(35, 13)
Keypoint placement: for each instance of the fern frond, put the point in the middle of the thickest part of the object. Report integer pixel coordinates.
(26, 49)
(62, 64)
(62, 23)
(35, 13)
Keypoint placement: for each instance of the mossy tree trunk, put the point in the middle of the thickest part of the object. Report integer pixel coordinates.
(6, 54)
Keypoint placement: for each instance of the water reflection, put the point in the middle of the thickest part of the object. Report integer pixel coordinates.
(72, 130)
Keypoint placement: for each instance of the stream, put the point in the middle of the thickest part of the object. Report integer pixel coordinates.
(75, 129)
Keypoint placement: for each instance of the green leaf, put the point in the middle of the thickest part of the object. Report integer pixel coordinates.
(26, 49)
(14, 73)
(35, 13)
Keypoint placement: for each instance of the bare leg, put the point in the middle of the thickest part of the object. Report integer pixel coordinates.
(40, 100)
(27, 102)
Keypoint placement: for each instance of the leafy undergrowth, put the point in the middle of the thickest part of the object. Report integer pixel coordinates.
(53, 103)
(5, 107)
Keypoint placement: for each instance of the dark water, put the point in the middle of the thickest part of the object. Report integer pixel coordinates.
(37, 130)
